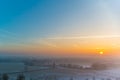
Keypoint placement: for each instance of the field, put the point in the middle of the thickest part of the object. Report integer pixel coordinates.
(58, 73)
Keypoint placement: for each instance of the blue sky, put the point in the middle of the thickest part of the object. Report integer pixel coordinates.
(31, 19)
(41, 17)
(22, 21)
(48, 17)
(26, 15)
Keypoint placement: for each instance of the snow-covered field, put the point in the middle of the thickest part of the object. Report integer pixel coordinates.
(44, 73)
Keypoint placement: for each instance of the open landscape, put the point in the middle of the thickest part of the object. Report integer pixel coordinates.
(59, 39)
(60, 69)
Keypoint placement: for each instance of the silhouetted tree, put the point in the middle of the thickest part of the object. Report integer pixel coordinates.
(71, 78)
(5, 77)
(31, 79)
(0, 77)
(93, 78)
(86, 79)
(21, 77)
(108, 79)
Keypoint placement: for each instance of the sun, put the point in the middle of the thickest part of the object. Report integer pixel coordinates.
(101, 52)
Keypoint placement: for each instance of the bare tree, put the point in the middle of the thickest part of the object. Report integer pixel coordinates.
(5, 77)
(21, 77)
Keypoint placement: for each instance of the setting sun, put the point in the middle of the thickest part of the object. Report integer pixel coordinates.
(101, 52)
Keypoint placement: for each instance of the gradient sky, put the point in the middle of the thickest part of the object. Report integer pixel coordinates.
(64, 26)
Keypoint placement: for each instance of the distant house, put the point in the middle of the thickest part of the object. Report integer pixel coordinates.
(99, 66)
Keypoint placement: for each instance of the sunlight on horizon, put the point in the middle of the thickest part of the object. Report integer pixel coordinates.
(77, 27)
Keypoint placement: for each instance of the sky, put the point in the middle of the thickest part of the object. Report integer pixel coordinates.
(58, 27)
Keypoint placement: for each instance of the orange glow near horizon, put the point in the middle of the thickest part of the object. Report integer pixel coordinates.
(71, 47)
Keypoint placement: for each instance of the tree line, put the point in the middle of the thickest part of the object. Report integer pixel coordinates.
(6, 77)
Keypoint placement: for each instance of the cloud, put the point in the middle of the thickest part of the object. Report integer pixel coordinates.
(87, 37)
